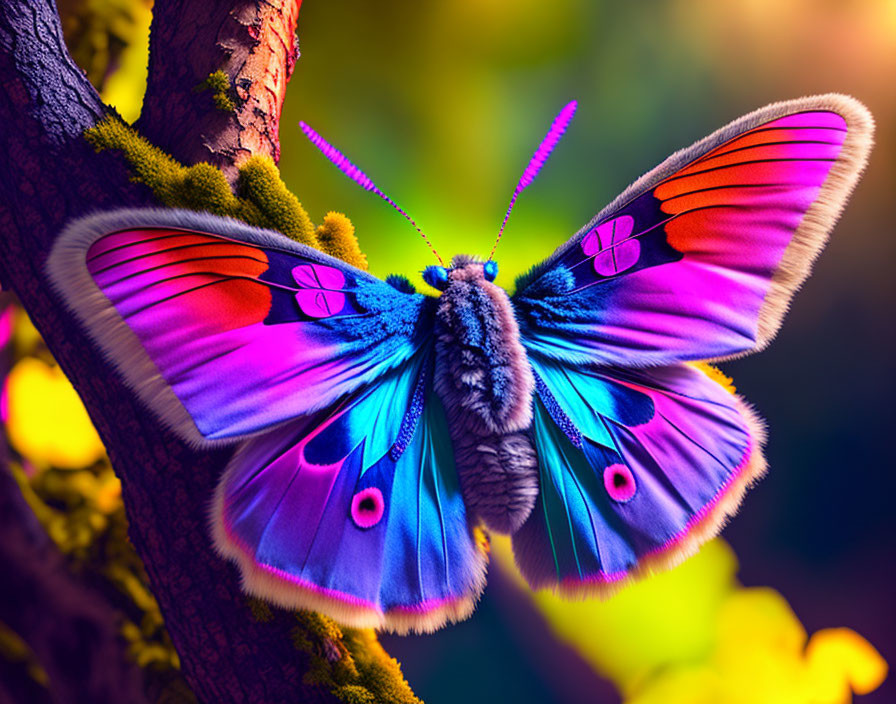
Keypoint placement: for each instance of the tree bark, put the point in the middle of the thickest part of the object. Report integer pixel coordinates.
(50, 175)
(253, 43)
(70, 629)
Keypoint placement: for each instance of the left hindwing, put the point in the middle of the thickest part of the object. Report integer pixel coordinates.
(356, 511)
(699, 258)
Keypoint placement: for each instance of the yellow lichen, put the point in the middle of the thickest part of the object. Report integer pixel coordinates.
(354, 694)
(717, 375)
(350, 661)
(336, 236)
(261, 185)
(379, 673)
(16, 652)
(263, 198)
(261, 612)
(219, 83)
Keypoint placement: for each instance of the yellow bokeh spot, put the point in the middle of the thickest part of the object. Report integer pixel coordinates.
(46, 421)
(839, 659)
(25, 337)
(693, 635)
(123, 89)
(669, 618)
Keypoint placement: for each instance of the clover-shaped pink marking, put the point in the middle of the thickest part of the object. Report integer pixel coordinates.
(610, 242)
(320, 296)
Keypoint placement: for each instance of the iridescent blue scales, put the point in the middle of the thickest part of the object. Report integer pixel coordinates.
(378, 429)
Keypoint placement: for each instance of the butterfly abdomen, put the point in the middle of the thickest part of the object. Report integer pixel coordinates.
(485, 382)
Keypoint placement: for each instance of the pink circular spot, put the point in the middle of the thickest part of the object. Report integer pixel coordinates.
(367, 507)
(619, 482)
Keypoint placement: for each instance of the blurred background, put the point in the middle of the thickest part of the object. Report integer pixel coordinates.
(442, 103)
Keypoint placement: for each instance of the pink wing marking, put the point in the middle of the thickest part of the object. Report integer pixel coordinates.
(318, 297)
(619, 482)
(610, 244)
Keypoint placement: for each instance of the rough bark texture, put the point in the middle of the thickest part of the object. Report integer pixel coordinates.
(253, 43)
(49, 175)
(71, 631)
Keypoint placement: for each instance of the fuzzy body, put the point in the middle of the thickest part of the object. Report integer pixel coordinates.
(485, 383)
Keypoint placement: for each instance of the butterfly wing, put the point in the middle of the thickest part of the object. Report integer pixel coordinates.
(637, 468)
(699, 258)
(643, 457)
(356, 512)
(226, 330)
(344, 496)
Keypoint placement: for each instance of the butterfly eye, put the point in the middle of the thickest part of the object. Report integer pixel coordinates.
(490, 270)
(436, 276)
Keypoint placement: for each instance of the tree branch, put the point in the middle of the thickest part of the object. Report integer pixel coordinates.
(197, 114)
(229, 652)
(70, 629)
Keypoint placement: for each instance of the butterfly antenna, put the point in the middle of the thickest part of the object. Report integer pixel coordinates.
(342, 163)
(558, 127)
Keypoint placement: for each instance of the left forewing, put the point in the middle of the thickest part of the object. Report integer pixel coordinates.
(225, 330)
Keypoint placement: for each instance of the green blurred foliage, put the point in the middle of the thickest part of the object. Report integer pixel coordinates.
(109, 39)
(442, 104)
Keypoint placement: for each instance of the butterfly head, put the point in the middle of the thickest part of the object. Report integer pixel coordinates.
(462, 268)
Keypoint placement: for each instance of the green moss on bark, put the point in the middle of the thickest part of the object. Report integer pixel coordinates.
(263, 199)
(219, 84)
(351, 662)
(336, 236)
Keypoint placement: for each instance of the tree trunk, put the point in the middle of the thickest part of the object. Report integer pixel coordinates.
(70, 629)
(253, 44)
(50, 175)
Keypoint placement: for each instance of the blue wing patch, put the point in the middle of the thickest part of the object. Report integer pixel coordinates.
(357, 512)
(636, 470)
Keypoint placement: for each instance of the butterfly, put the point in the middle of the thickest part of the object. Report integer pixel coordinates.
(380, 428)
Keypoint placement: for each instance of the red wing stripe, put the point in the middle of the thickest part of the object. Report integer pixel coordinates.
(730, 185)
(678, 176)
(759, 145)
(156, 238)
(158, 252)
(134, 274)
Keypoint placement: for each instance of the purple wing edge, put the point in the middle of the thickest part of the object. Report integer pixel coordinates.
(290, 592)
(703, 526)
(811, 235)
(71, 280)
